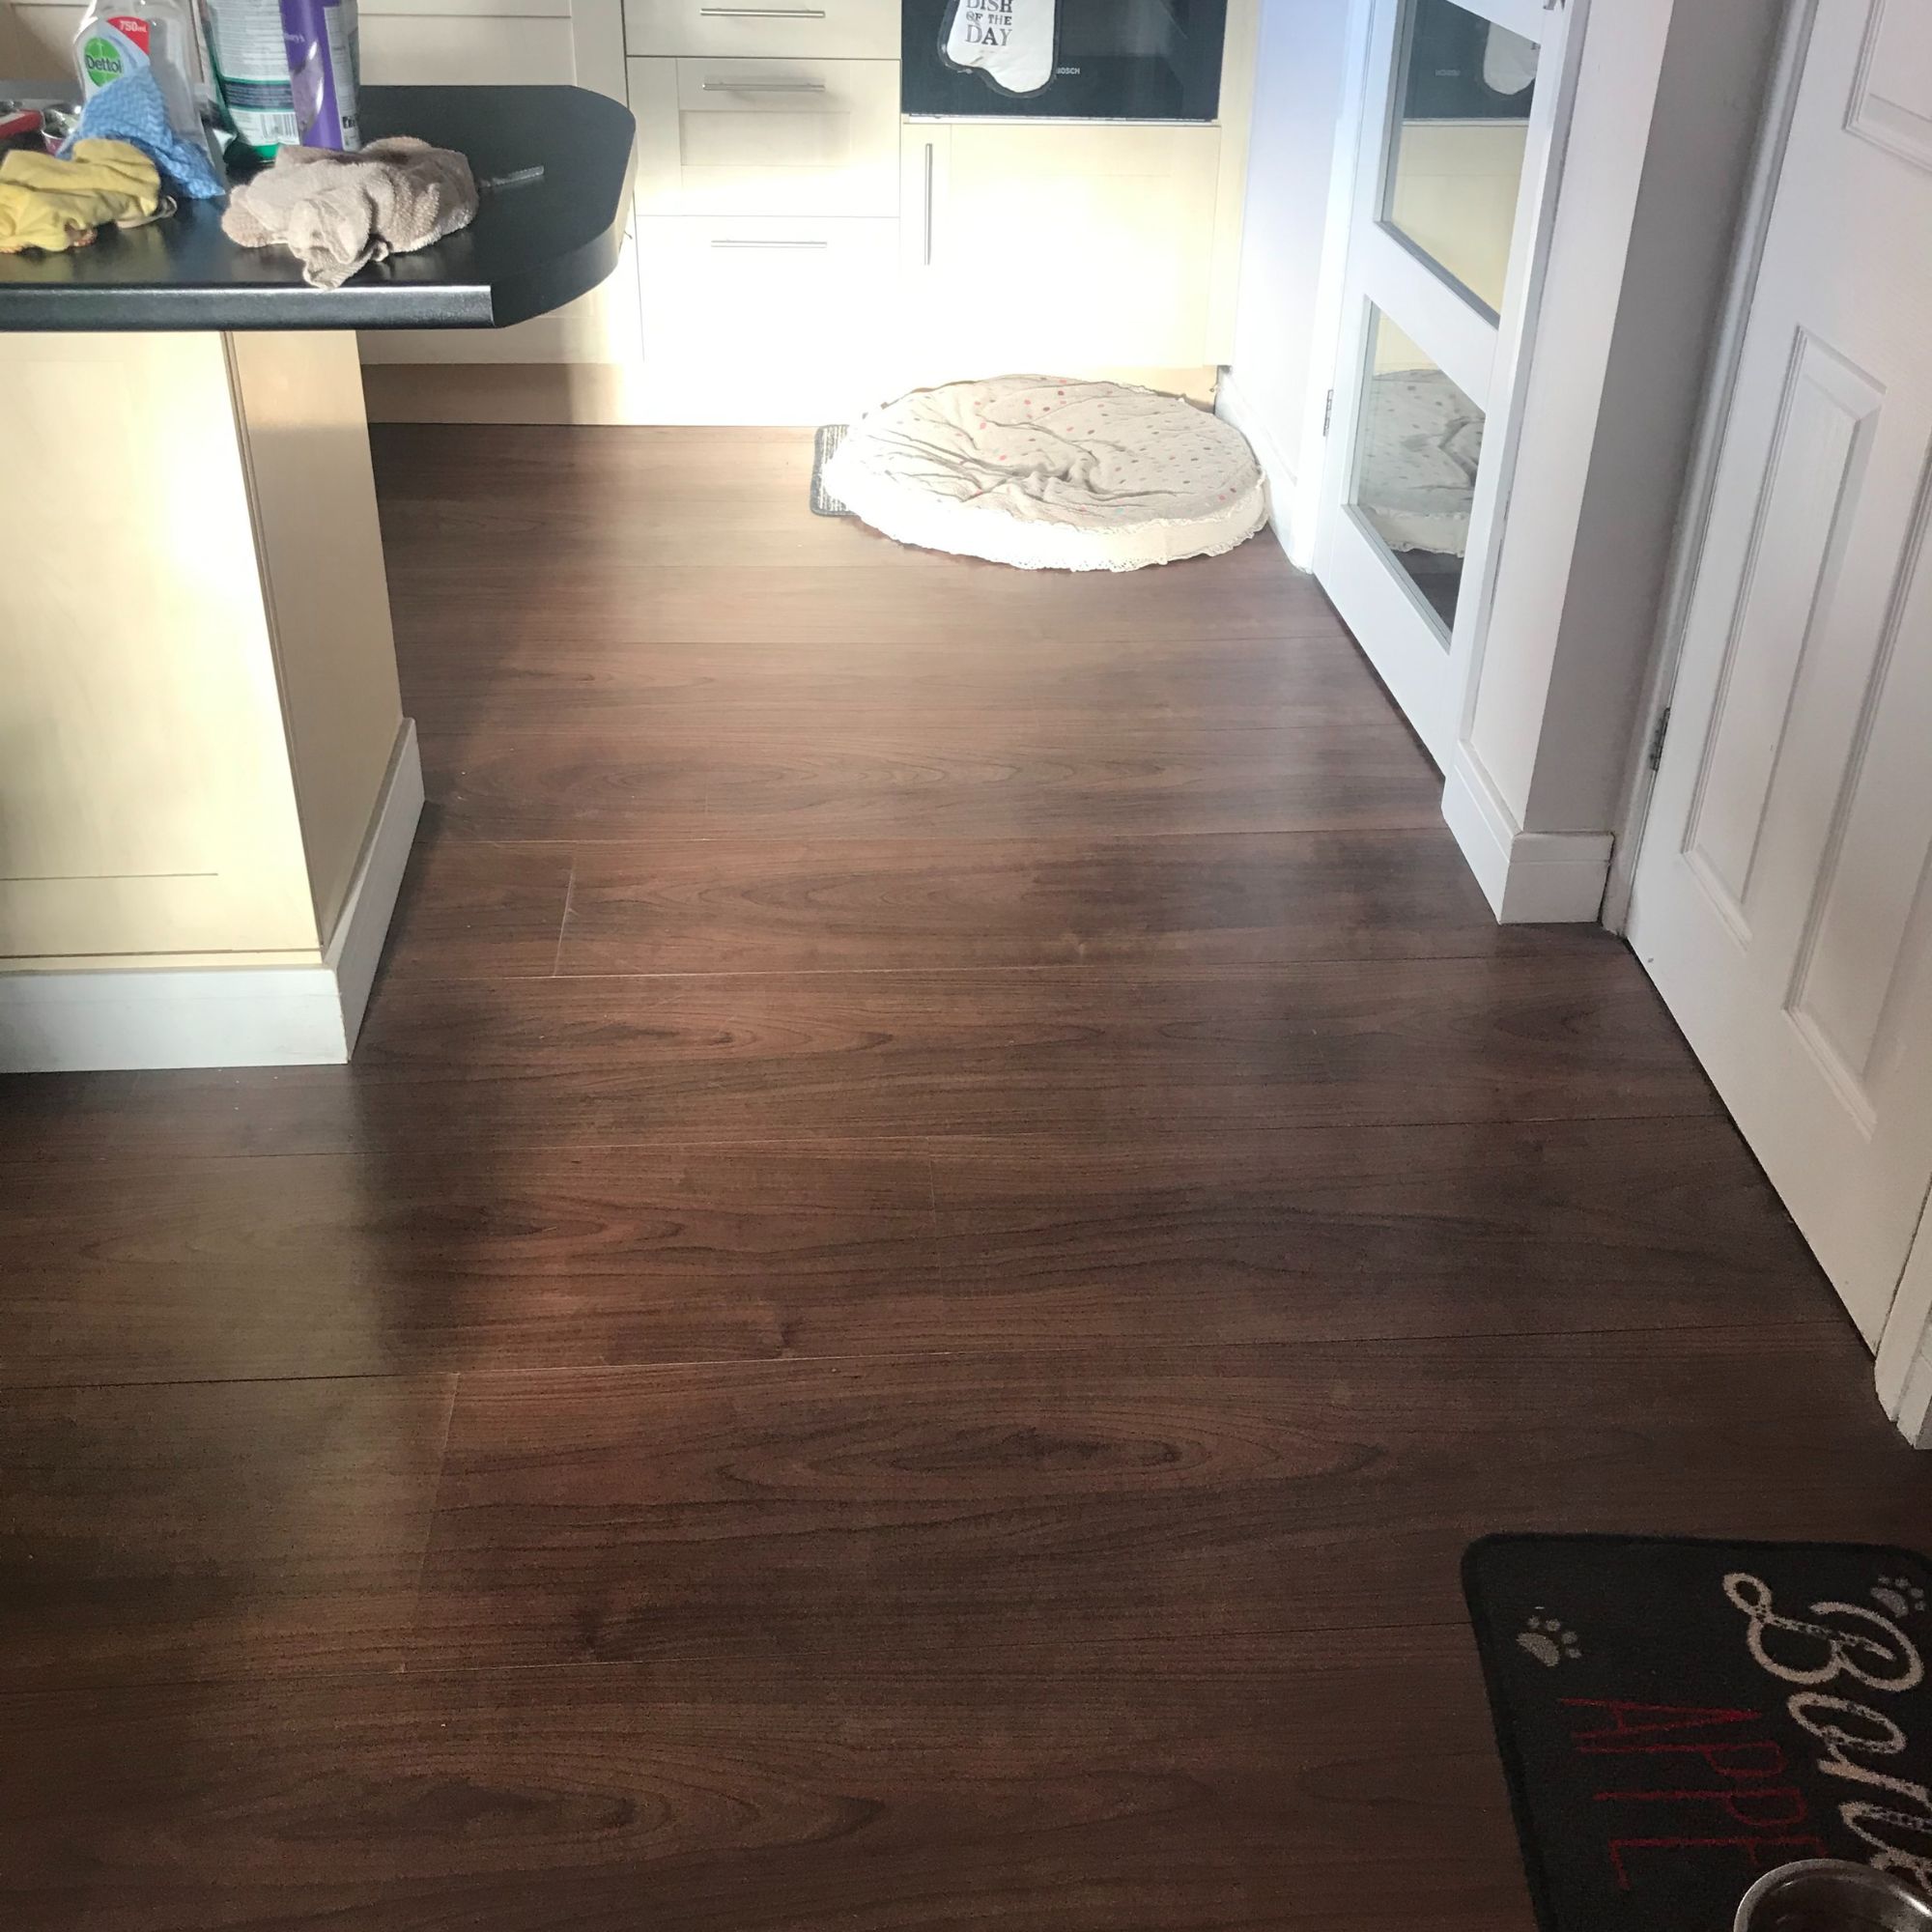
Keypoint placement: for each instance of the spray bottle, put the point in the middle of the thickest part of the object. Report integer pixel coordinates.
(251, 67)
(320, 37)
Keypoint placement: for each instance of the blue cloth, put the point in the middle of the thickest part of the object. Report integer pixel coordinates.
(131, 109)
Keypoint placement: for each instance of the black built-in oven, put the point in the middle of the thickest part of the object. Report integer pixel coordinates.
(1111, 60)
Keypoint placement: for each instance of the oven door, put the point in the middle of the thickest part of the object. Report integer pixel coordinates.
(1114, 60)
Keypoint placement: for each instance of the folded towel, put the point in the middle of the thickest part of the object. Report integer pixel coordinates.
(51, 203)
(131, 109)
(339, 213)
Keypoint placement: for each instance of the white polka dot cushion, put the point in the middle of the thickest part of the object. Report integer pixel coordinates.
(1051, 475)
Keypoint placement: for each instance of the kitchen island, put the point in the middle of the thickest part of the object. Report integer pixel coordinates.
(207, 787)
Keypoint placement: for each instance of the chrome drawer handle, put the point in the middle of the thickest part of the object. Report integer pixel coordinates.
(928, 204)
(762, 12)
(763, 87)
(718, 242)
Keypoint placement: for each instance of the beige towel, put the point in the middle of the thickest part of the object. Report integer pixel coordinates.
(339, 213)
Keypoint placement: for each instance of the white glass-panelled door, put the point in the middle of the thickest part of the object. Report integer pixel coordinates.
(1460, 100)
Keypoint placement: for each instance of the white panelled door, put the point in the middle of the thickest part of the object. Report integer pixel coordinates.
(1449, 194)
(1782, 897)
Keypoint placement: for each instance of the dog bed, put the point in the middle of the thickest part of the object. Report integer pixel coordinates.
(1051, 475)
(1419, 455)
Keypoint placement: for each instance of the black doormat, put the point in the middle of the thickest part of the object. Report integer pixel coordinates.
(1676, 1717)
(828, 439)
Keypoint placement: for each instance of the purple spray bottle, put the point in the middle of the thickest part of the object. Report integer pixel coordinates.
(321, 38)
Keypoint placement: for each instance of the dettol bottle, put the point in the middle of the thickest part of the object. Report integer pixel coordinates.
(117, 37)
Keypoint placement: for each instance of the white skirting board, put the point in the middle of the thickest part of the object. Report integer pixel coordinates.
(1530, 878)
(1904, 1368)
(1915, 1402)
(159, 1016)
(1233, 405)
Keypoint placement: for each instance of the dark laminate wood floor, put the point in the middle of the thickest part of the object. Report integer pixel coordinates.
(949, 1213)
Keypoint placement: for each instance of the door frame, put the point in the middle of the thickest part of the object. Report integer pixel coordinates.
(1903, 1368)
(1693, 517)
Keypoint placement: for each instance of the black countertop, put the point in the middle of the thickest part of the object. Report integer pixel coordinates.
(532, 247)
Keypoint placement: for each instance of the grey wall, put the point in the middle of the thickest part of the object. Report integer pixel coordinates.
(1709, 95)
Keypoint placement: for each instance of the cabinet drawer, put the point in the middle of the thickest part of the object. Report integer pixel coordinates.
(766, 137)
(768, 319)
(753, 283)
(465, 50)
(812, 29)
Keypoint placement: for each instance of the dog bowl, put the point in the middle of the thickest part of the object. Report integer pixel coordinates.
(1832, 1895)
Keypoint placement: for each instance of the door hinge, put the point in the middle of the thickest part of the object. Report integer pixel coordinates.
(1328, 414)
(1659, 731)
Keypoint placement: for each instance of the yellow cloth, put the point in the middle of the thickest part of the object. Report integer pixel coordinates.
(46, 203)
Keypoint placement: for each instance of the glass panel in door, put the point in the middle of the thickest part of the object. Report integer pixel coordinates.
(1418, 444)
(1458, 137)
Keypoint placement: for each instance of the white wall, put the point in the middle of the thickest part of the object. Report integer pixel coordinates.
(1299, 87)
(1716, 70)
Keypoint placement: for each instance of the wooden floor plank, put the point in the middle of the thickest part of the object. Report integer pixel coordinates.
(782, 602)
(214, 1530)
(1359, 1233)
(495, 675)
(602, 783)
(450, 1255)
(784, 1799)
(1053, 1055)
(471, 910)
(906, 904)
(1109, 1509)
(444, 1257)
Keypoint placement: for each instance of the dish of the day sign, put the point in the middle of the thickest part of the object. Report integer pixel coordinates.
(1010, 41)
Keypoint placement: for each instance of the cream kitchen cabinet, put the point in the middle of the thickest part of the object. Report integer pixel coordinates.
(810, 137)
(194, 787)
(467, 43)
(767, 203)
(494, 43)
(760, 319)
(824, 30)
(1062, 248)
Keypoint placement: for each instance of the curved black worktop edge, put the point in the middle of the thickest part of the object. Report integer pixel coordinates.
(533, 246)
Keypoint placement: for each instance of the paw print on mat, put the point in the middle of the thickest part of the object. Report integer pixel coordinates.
(1548, 1641)
(1899, 1595)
